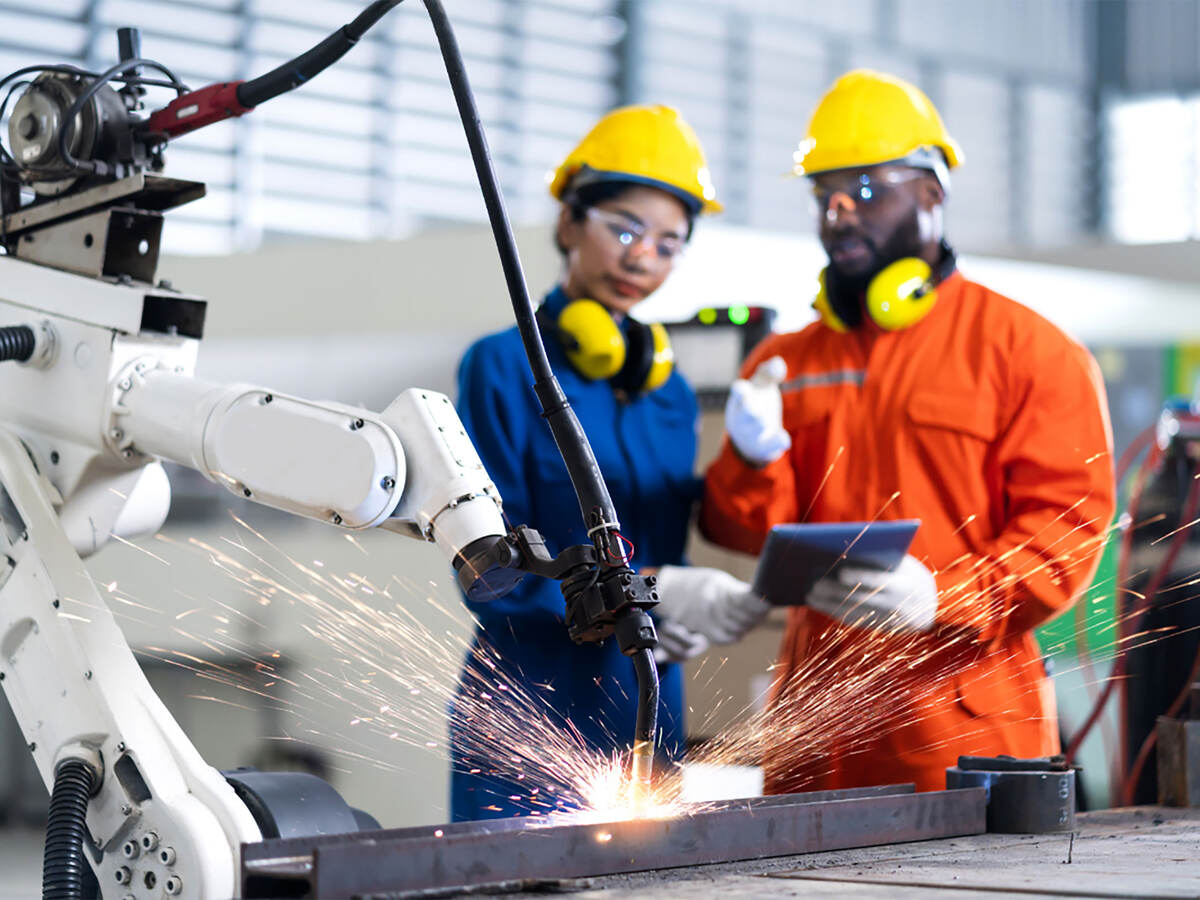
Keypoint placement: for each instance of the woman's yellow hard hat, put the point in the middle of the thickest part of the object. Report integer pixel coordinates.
(646, 145)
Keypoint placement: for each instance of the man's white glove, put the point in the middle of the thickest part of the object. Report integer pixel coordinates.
(676, 643)
(903, 600)
(708, 602)
(754, 414)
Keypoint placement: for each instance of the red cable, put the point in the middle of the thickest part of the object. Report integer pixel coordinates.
(1123, 556)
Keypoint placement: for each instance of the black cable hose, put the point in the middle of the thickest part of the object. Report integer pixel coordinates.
(17, 342)
(647, 709)
(594, 500)
(296, 72)
(63, 864)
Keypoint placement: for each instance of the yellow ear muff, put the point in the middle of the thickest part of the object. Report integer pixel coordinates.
(663, 360)
(598, 349)
(902, 294)
(825, 309)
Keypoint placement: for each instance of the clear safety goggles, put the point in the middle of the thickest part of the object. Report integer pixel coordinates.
(859, 188)
(668, 248)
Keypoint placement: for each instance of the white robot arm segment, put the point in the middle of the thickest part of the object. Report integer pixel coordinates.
(324, 461)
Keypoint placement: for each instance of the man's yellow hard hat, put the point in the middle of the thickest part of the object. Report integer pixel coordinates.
(868, 118)
(646, 145)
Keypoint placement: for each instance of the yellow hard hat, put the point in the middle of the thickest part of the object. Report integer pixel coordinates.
(868, 118)
(644, 144)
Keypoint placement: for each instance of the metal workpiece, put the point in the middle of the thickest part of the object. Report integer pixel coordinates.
(470, 854)
(1025, 796)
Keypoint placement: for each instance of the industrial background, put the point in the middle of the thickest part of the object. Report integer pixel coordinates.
(342, 249)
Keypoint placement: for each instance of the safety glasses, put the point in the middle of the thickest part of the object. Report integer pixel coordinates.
(860, 188)
(668, 248)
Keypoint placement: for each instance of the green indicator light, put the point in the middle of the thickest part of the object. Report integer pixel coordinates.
(739, 315)
(707, 316)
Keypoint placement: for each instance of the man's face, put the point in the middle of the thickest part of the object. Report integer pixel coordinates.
(869, 217)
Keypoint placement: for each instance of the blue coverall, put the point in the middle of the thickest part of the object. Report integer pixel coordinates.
(646, 449)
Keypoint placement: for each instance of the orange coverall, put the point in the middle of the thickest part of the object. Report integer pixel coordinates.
(991, 426)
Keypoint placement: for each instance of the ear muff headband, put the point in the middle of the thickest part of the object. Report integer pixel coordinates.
(898, 297)
(638, 360)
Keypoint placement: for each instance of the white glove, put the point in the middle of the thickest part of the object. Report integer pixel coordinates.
(754, 414)
(902, 600)
(676, 643)
(708, 602)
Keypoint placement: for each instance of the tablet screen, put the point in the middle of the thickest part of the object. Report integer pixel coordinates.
(797, 554)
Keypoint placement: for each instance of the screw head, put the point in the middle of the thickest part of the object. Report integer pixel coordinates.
(123, 875)
(167, 856)
(149, 840)
(124, 384)
(388, 482)
(246, 491)
(120, 746)
(116, 434)
(336, 519)
(55, 604)
(126, 809)
(54, 457)
(130, 849)
(32, 746)
(88, 674)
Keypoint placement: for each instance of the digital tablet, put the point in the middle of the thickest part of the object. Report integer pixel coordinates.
(796, 555)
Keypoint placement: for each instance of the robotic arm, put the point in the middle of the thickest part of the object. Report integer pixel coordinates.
(86, 416)
(97, 385)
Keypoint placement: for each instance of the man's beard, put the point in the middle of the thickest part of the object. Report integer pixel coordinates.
(846, 291)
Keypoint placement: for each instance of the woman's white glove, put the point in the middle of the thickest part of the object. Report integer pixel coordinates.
(754, 414)
(708, 602)
(676, 643)
(902, 600)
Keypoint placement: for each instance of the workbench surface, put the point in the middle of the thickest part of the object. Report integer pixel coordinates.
(1144, 852)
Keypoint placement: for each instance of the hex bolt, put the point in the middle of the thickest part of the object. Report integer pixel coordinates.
(123, 875)
(130, 849)
(149, 840)
(174, 885)
(167, 856)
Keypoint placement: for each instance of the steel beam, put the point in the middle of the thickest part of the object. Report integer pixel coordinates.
(469, 854)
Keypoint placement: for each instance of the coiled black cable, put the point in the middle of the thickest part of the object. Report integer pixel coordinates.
(17, 342)
(63, 863)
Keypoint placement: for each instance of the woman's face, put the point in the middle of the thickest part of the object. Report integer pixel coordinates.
(624, 247)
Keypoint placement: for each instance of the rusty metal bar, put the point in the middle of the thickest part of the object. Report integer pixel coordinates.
(474, 853)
